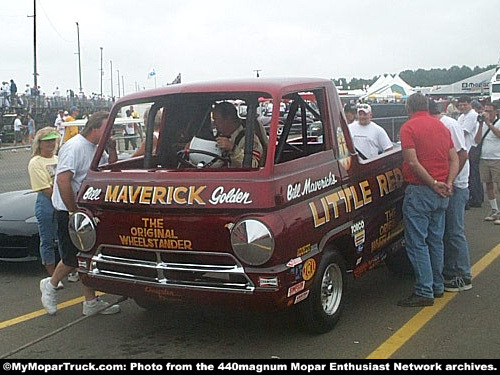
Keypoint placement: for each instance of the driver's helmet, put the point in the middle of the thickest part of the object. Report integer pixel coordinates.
(201, 160)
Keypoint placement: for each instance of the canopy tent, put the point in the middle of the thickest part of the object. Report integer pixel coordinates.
(475, 85)
(389, 87)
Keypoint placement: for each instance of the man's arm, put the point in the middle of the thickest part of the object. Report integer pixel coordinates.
(66, 191)
(113, 155)
(410, 158)
(453, 161)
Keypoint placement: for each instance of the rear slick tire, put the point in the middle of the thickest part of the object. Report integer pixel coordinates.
(321, 311)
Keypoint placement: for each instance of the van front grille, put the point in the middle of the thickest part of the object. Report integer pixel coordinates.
(176, 269)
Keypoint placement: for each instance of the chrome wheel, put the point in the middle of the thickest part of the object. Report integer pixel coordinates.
(331, 289)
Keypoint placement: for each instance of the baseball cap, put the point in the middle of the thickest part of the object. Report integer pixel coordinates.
(366, 108)
(349, 108)
(66, 113)
(73, 109)
(50, 136)
(433, 108)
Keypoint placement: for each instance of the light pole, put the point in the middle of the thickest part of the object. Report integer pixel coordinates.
(257, 71)
(35, 73)
(102, 71)
(111, 75)
(118, 74)
(79, 58)
(123, 87)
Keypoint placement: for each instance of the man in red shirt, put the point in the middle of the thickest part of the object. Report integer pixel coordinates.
(430, 164)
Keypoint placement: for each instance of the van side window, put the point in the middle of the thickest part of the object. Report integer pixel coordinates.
(300, 131)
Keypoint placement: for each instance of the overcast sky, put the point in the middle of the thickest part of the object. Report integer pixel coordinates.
(219, 39)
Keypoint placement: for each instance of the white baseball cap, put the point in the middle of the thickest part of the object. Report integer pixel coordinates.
(366, 108)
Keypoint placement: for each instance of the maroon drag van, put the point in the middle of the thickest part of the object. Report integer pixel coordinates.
(179, 225)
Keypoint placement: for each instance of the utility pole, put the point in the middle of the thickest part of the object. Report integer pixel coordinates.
(79, 57)
(35, 73)
(118, 71)
(257, 72)
(102, 71)
(111, 75)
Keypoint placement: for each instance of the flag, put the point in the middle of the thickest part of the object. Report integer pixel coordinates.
(152, 73)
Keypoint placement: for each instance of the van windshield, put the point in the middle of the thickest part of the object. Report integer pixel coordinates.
(192, 132)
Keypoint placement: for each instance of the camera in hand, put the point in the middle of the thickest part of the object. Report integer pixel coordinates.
(480, 118)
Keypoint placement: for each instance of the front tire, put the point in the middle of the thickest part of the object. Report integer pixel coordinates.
(322, 310)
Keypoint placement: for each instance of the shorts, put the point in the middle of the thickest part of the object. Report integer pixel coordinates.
(489, 169)
(67, 249)
(18, 135)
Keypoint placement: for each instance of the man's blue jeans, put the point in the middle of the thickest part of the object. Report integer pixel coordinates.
(424, 218)
(456, 250)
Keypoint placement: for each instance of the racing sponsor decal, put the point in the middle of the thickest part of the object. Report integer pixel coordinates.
(297, 272)
(294, 262)
(388, 231)
(344, 157)
(303, 250)
(92, 194)
(153, 234)
(296, 288)
(300, 297)
(358, 233)
(309, 269)
(298, 190)
(268, 281)
(233, 196)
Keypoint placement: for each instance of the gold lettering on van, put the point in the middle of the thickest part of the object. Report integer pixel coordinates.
(155, 195)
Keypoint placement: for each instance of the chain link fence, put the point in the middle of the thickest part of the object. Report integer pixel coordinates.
(14, 168)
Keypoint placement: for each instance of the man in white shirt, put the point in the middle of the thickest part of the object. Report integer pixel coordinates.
(369, 138)
(18, 128)
(489, 163)
(74, 161)
(468, 121)
(456, 269)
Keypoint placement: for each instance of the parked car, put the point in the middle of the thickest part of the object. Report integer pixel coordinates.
(19, 241)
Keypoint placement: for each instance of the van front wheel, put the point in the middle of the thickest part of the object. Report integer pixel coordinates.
(321, 311)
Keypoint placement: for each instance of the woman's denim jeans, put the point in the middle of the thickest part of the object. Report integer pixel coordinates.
(424, 218)
(47, 228)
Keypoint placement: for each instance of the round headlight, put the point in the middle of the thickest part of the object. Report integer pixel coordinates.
(82, 231)
(252, 242)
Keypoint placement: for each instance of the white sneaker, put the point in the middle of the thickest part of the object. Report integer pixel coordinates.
(98, 305)
(60, 286)
(49, 296)
(73, 277)
(492, 216)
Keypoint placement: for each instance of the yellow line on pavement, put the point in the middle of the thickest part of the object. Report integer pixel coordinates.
(407, 331)
(36, 314)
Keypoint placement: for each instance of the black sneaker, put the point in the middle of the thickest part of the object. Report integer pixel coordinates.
(416, 301)
(439, 295)
(457, 284)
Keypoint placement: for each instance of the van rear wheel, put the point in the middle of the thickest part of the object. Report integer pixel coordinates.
(321, 311)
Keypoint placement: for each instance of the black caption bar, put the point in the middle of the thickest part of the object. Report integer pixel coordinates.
(248, 366)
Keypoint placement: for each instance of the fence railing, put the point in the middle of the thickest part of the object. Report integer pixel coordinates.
(14, 160)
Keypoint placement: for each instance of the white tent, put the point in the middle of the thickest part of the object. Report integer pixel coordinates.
(477, 84)
(389, 88)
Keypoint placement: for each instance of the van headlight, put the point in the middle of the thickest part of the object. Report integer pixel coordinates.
(252, 242)
(82, 231)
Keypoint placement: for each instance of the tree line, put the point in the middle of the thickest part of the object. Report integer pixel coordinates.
(420, 77)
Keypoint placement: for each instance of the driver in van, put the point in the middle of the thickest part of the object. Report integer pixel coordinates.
(231, 136)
